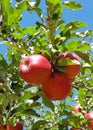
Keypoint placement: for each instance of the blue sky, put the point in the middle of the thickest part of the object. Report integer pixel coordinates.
(85, 14)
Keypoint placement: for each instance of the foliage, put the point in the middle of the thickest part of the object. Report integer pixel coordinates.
(49, 36)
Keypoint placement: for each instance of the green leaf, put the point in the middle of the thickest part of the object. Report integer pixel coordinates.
(54, 2)
(17, 12)
(48, 103)
(84, 56)
(66, 61)
(11, 15)
(71, 27)
(76, 24)
(72, 5)
(31, 112)
(38, 123)
(26, 31)
(27, 95)
(29, 103)
(81, 97)
(61, 68)
(78, 45)
(54, 8)
(3, 100)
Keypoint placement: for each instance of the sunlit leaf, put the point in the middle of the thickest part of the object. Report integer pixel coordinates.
(72, 5)
(39, 123)
(47, 102)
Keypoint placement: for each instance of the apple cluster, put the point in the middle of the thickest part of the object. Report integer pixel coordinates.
(56, 85)
(88, 116)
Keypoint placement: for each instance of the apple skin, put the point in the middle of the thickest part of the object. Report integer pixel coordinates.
(2, 127)
(90, 125)
(76, 108)
(35, 69)
(19, 126)
(89, 116)
(58, 87)
(71, 70)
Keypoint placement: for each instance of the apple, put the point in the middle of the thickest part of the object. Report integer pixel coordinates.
(89, 116)
(2, 127)
(58, 87)
(90, 125)
(19, 126)
(35, 69)
(74, 69)
(76, 108)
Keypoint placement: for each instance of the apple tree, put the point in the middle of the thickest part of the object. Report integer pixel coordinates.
(66, 97)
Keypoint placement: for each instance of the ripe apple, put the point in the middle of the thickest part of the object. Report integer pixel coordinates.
(74, 69)
(76, 108)
(2, 127)
(35, 69)
(57, 87)
(89, 116)
(90, 125)
(19, 126)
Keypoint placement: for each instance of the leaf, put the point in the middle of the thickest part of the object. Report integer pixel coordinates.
(84, 56)
(31, 112)
(3, 100)
(48, 103)
(11, 15)
(62, 127)
(54, 2)
(61, 68)
(54, 8)
(38, 123)
(66, 61)
(17, 12)
(29, 104)
(76, 24)
(72, 5)
(77, 45)
(81, 97)
(26, 31)
(27, 95)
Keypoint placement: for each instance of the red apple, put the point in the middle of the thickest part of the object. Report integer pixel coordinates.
(2, 127)
(89, 116)
(74, 69)
(19, 126)
(90, 125)
(57, 87)
(76, 108)
(35, 69)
